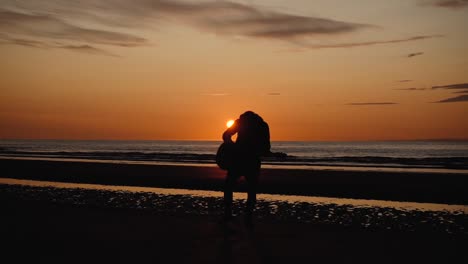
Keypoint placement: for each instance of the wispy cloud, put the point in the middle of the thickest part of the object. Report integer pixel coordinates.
(48, 26)
(452, 86)
(411, 89)
(460, 98)
(455, 4)
(5, 40)
(457, 86)
(463, 87)
(216, 94)
(372, 103)
(371, 43)
(273, 94)
(403, 81)
(254, 22)
(87, 49)
(415, 54)
(54, 20)
(220, 17)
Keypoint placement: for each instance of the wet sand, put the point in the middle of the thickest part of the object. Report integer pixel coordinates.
(397, 186)
(73, 225)
(350, 213)
(84, 225)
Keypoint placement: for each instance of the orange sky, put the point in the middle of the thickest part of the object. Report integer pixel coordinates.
(315, 70)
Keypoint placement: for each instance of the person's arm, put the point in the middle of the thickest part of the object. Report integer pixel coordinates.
(230, 132)
(268, 152)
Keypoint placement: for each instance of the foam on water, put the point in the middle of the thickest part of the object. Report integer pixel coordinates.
(390, 155)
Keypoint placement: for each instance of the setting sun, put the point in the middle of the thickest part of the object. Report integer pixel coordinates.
(230, 123)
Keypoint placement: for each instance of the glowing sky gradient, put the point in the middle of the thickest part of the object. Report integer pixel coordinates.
(314, 70)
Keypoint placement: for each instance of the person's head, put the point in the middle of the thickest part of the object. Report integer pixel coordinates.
(250, 115)
(250, 118)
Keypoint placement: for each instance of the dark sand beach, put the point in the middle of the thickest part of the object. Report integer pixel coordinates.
(82, 225)
(397, 186)
(48, 231)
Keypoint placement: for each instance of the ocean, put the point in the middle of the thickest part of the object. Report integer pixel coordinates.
(434, 156)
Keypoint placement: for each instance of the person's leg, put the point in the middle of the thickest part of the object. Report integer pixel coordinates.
(251, 176)
(252, 182)
(228, 189)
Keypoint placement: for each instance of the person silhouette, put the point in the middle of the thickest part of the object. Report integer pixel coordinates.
(253, 141)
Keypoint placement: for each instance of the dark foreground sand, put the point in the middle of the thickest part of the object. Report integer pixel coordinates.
(53, 225)
(396, 186)
(45, 232)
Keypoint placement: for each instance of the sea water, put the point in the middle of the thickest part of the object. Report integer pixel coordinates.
(394, 155)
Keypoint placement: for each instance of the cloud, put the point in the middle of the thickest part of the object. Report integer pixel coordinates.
(402, 81)
(283, 26)
(455, 4)
(274, 94)
(48, 26)
(373, 103)
(458, 86)
(86, 49)
(452, 86)
(371, 43)
(415, 54)
(59, 20)
(5, 39)
(216, 94)
(411, 89)
(220, 17)
(460, 98)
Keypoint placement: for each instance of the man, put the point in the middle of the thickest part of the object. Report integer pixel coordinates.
(253, 141)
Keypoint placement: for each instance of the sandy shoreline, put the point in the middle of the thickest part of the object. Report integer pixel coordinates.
(341, 213)
(58, 232)
(397, 186)
(85, 225)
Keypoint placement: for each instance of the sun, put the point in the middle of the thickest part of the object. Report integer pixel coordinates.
(230, 123)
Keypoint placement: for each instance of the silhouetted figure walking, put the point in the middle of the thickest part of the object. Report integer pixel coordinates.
(253, 141)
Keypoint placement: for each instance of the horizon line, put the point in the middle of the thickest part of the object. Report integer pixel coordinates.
(220, 140)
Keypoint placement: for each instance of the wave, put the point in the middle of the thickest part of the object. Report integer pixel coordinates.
(363, 161)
